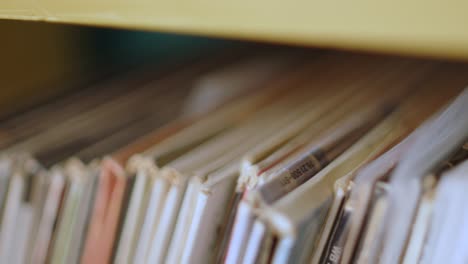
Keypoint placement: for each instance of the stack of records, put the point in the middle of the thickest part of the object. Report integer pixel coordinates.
(283, 157)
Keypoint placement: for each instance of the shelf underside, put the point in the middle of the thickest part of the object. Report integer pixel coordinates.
(433, 28)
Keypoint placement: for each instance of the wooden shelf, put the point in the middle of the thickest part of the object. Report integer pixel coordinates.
(434, 28)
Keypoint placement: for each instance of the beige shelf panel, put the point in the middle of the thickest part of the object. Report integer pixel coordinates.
(434, 28)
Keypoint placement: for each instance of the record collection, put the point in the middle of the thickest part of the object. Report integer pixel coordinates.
(279, 157)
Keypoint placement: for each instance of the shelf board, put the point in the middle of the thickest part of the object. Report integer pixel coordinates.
(430, 28)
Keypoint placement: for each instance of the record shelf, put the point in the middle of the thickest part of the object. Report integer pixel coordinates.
(337, 157)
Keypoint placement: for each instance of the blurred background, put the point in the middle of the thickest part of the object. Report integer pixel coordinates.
(40, 61)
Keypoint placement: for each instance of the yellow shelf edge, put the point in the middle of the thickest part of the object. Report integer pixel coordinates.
(432, 28)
